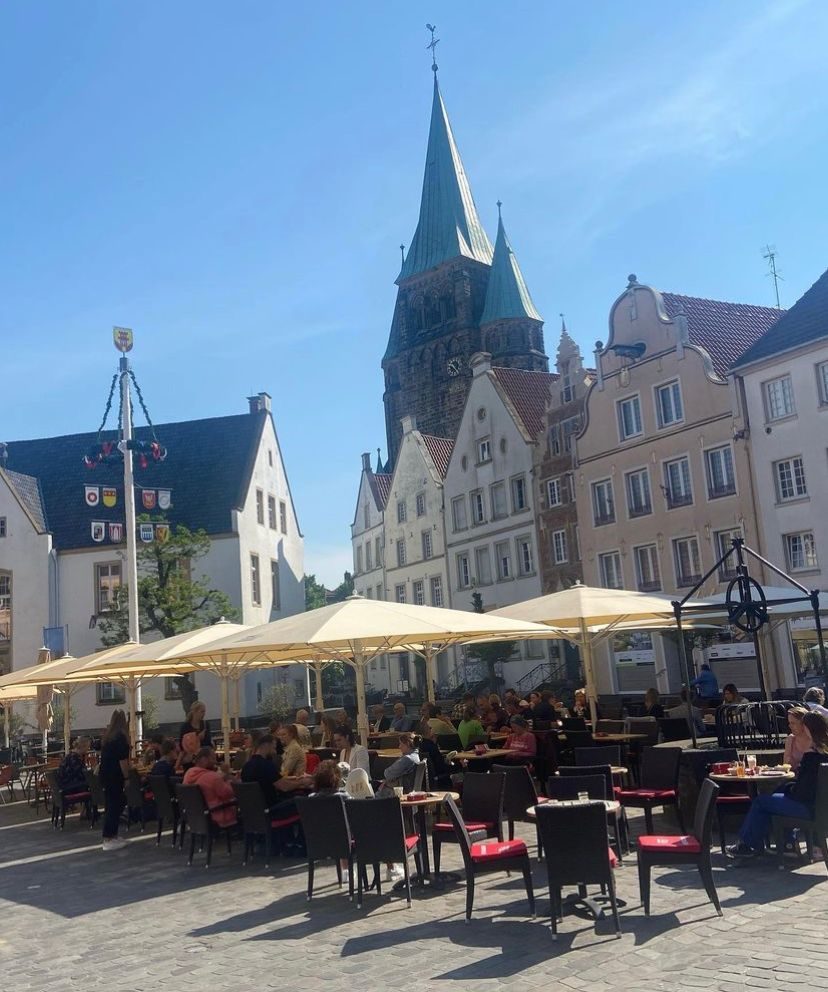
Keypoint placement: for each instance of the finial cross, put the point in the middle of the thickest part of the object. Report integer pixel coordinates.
(433, 46)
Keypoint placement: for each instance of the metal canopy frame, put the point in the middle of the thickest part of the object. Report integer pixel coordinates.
(748, 612)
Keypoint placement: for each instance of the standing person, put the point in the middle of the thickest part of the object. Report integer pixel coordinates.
(706, 685)
(353, 754)
(196, 723)
(114, 768)
(797, 799)
(798, 742)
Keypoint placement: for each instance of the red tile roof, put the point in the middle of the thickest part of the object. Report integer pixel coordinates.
(381, 487)
(440, 450)
(528, 393)
(724, 330)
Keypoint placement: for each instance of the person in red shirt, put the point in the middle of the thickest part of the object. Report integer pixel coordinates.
(521, 740)
(214, 786)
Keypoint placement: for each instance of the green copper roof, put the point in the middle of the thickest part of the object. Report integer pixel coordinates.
(506, 295)
(448, 226)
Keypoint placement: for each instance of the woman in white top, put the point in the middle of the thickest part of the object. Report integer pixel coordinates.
(355, 755)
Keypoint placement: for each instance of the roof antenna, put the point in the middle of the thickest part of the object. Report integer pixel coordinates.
(770, 257)
(563, 323)
(499, 205)
(402, 253)
(379, 463)
(433, 46)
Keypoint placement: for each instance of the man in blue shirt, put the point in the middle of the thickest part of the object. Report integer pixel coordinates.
(706, 684)
(402, 723)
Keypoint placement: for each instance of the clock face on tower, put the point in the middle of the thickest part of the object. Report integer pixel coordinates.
(454, 366)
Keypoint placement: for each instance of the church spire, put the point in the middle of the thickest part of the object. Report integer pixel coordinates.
(448, 226)
(507, 295)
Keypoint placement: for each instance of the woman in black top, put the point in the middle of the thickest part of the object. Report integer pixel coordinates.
(113, 771)
(439, 772)
(652, 706)
(197, 724)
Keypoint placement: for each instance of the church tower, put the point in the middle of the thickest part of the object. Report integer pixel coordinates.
(442, 296)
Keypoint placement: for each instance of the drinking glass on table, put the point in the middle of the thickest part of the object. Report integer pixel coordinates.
(583, 797)
(751, 763)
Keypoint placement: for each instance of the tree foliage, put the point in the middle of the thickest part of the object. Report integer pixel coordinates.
(172, 598)
(317, 595)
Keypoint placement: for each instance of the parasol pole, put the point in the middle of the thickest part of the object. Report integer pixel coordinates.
(362, 712)
(237, 700)
(317, 671)
(589, 674)
(428, 652)
(7, 723)
(225, 705)
(67, 720)
(123, 343)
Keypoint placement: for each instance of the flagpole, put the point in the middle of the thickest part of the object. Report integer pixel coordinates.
(136, 722)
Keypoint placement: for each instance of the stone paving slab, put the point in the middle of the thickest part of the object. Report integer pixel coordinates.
(140, 920)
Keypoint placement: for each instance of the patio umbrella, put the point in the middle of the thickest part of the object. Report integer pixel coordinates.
(23, 693)
(357, 630)
(586, 615)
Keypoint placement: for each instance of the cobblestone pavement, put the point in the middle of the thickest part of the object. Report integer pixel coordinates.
(75, 918)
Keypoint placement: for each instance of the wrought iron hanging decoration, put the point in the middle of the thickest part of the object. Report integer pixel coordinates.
(107, 451)
(746, 603)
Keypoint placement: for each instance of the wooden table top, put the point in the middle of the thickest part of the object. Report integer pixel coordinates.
(493, 752)
(430, 800)
(759, 777)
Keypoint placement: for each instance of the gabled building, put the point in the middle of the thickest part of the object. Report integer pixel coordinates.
(368, 531)
(783, 384)
(62, 542)
(663, 480)
(442, 314)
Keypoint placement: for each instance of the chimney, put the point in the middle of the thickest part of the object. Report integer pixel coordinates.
(366, 461)
(259, 403)
(409, 423)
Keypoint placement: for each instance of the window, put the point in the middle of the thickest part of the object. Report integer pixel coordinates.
(172, 688)
(401, 511)
(283, 516)
(629, 417)
(567, 392)
(677, 483)
(553, 492)
(559, 549)
(458, 513)
(275, 588)
(366, 517)
(577, 543)
(463, 573)
(5, 606)
(790, 479)
(107, 583)
(721, 480)
(722, 543)
(378, 551)
(369, 564)
(379, 591)
(779, 399)
(2, 526)
(399, 592)
(420, 504)
(554, 441)
(401, 555)
(109, 694)
(569, 429)
(369, 594)
(271, 512)
(519, 494)
(255, 580)
(259, 506)
(603, 505)
(500, 508)
(526, 557)
(484, 451)
(483, 566)
(358, 561)
(437, 591)
(478, 507)
(418, 591)
(503, 559)
(822, 382)
(800, 551)
(687, 561)
(639, 502)
(427, 549)
(647, 573)
(270, 458)
(669, 409)
(609, 568)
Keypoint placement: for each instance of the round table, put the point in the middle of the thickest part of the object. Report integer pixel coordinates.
(753, 781)
(493, 753)
(419, 806)
(611, 805)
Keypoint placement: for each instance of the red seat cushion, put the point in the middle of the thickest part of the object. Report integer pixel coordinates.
(411, 842)
(729, 800)
(77, 797)
(471, 827)
(647, 795)
(287, 822)
(613, 858)
(681, 844)
(494, 850)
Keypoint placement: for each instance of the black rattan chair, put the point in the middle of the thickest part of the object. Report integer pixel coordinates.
(62, 801)
(199, 822)
(260, 820)
(166, 805)
(327, 835)
(599, 754)
(379, 836)
(482, 800)
(659, 784)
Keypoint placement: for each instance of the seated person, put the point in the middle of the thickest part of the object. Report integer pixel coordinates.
(262, 767)
(469, 727)
(580, 708)
(432, 713)
(796, 799)
(186, 756)
(303, 733)
(797, 743)
(401, 773)
(169, 759)
(543, 708)
(461, 705)
(814, 699)
(327, 780)
(293, 756)
(521, 739)
(513, 708)
(652, 704)
(358, 785)
(401, 722)
(379, 720)
(217, 791)
(353, 754)
(731, 695)
(496, 718)
(439, 772)
(71, 773)
(694, 717)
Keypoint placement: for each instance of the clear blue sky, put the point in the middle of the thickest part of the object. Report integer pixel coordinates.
(233, 180)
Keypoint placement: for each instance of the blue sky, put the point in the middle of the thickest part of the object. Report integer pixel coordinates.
(234, 180)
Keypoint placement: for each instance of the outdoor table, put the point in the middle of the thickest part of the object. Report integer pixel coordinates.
(492, 753)
(33, 773)
(388, 752)
(611, 805)
(752, 781)
(419, 806)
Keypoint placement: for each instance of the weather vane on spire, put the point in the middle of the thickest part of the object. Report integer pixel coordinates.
(433, 46)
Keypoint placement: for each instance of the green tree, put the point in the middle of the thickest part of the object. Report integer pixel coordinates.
(492, 653)
(317, 595)
(172, 599)
(276, 702)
